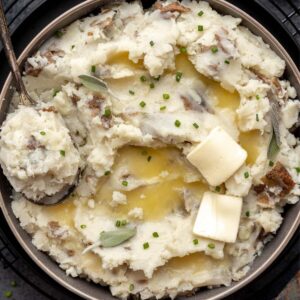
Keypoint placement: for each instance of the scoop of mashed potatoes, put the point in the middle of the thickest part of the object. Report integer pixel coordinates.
(37, 153)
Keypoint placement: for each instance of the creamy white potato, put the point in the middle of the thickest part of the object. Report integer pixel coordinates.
(174, 73)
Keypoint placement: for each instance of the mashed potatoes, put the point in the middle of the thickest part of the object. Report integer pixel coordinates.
(173, 74)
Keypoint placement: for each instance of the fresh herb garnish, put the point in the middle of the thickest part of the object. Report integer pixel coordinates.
(211, 246)
(257, 97)
(13, 283)
(177, 123)
(42, 133)
(151, 43)
(246, 175)
(8, 294)
(143, 78)
(271, 164)
(82, 226)
(200, 27)
(166, 96)
(131, 92)
(200, 13)
(178, 76)
(152, 85)
(106, 173)
(247, 213)
(142, 104)
(257, 118)
(93, 69)
(218, 189)
(107, 112)
(182, 50)
(273, 147)
(131, 287)
(116, 237)
(59, 33)
(196, 125)
(162, 108)
(226, 61)
(155, 234)
(149, 158)
(125, 183)
(146, 245)
(62, 152)
(195, 241)
(55, 92)
(214, 49)
(93, 83)
(297, 170)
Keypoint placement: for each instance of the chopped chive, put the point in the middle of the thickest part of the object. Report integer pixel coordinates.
(155, 234)
(156, 78)
(178, 76)
(257, 97)
(8, 294)
(107, 112)
(226, 61)
(271, 164)
(142, 104)
(82, 226)
(146, 245)
(73, 46)
(125, 183)
(246, 175)
(131, 92)
(118, 223)
(200, 13)
(151, 85)
(93, 69)
(162, 108)
(182, 50)
(151, 43)
(166, 96)
(200, 27)
(106, 173)
(257, 118)
(218, 189)
(131, 287)
(196, 125)
(143, 78)
(214, 49)
(297, 170)
(62, 152)
(13, 283)
(247, 213)
(58, 33)
(123, 222)
(195, 241)
(177, 123)
(42, 133)
(55, 92)
(149, 158)
(211, 246)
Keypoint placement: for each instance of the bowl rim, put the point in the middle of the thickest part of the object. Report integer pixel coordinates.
(82, 9)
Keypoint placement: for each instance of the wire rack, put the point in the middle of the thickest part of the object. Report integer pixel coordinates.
(288, 13)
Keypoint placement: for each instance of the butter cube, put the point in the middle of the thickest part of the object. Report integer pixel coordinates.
(218, 217)
(218, 157)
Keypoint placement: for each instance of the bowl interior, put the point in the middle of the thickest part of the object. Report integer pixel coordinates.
(89, 290)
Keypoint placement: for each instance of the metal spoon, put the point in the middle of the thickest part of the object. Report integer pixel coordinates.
(26, 100)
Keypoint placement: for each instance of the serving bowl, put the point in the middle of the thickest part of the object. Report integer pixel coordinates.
(89, 290)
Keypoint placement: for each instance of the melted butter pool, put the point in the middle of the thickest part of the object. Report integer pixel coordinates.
(166, 169)
(225, 99)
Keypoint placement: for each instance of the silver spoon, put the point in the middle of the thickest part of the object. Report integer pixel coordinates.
(26, 100)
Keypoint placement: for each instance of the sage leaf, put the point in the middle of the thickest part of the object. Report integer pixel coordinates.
(116, 237)
(93, 83)
(273, 146)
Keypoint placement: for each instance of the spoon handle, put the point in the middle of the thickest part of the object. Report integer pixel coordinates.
(10, 54)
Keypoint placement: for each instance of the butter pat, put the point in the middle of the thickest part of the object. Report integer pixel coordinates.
(218, 217)
(218, 157)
